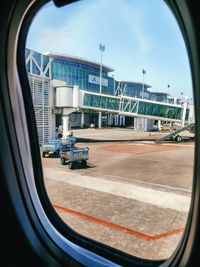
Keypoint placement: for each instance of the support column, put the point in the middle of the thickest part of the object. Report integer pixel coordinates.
(66, 126)
(159, 125)
(116, 120)
(144, 124)
(120, 120)
(100, 120)
(184, 111)
(123, 120)
(109, 119)
(175, 100)
(82, 119)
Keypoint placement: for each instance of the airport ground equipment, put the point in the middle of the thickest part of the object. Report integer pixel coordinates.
(174, 135)
(51, 147)
(73, 155)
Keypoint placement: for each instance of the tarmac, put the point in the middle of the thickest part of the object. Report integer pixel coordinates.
(134, 195)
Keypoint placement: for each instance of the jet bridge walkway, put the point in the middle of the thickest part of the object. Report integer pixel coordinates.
(71, 99)
(133, 107)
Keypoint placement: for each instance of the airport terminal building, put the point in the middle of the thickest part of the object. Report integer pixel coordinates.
(42, 69)
(81, 72)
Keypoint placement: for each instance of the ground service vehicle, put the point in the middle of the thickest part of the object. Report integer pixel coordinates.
(71, 154)
(175, 134)
(51, 147)
(32, 234)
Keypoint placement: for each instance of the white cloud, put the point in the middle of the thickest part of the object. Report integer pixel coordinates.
(135, 21)
(72, 36)
(88, 25)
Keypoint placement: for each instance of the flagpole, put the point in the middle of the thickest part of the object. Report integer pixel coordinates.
(143, 72)
(102, 49)
(168, 93)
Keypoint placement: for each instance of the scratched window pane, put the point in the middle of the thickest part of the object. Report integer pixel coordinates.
(112, 93)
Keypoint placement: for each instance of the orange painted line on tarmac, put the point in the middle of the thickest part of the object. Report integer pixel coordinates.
(172, 232)
(119, 227)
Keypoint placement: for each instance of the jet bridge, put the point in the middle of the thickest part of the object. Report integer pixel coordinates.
(133, 107)
(71, 99)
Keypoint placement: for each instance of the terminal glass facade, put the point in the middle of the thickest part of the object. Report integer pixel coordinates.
(83, 75)
(157, 96)
(132, 89)
(139, 90)
(87, 77)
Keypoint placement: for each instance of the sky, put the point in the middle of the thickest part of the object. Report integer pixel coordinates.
(137, 34)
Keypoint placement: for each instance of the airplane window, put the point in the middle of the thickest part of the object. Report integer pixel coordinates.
(112, 94)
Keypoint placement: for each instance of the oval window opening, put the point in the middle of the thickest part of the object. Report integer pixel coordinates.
(112, 93)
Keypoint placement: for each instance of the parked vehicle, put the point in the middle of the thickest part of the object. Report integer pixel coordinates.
(73, 155)
(155, 128)
(51, 147)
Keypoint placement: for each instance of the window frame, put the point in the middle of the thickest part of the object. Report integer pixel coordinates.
(62, 243)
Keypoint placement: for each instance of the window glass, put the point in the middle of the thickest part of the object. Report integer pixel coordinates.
(115, 119)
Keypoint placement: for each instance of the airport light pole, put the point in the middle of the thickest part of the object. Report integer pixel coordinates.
(143, 73)
(102, 49)
(168, 93)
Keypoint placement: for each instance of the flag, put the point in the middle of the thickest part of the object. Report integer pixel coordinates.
(143, 71)
(102, 47)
